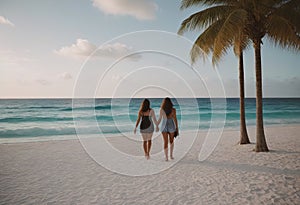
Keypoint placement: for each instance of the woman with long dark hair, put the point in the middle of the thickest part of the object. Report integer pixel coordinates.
(145, 115)
(169, 125)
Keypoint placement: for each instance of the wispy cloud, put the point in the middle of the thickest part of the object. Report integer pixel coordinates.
(140, 9)
(6, 21)
(83, 48)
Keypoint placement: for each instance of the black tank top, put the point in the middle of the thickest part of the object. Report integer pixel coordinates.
(146, 122)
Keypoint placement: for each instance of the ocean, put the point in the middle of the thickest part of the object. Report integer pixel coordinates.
(38, 118)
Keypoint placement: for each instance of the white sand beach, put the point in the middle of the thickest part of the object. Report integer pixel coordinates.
(61, 172)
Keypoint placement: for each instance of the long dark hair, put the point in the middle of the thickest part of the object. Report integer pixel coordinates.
(145, 106)
(167, 106)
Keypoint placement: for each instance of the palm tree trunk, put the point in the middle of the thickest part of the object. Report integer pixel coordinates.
(261, 145)
(244, 139)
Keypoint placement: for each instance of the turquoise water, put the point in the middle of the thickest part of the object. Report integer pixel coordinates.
(21, 118)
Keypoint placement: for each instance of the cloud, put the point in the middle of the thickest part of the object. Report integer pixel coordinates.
(140, 9)
(84, 48)
(116, 50)
(81, 48)
(6, 21)
(65, 76)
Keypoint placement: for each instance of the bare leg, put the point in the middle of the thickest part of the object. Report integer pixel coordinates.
(145, 148)
(165, 136)
(148, 148)
(149, 144)
(171, 145)
(147, 139)
(144, 135)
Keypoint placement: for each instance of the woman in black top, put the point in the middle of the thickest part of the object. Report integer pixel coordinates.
(145, 115)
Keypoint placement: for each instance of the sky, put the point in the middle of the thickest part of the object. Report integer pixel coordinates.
(121, 48)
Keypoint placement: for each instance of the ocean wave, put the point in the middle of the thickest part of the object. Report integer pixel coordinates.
(63, 108)
(30, 107)
(39, 132)
(34, 119)
(36, 131)
(115, 128)
(98, 107)
(99, 118)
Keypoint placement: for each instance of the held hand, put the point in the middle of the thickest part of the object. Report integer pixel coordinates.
(157, 129)
(134, 131)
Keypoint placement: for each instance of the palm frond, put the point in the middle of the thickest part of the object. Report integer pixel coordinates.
(204, 18)
(189, 3)
(241, 42)
(291, 12)
(203, 45)
(282, 33)
(229, 31)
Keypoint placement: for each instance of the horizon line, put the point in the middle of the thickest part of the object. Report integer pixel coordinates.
(37, 98)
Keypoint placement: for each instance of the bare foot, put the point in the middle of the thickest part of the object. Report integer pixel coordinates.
(167, 159)
(172, 157)
(148, 157)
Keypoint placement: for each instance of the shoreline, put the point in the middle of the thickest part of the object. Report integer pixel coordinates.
(13, 140)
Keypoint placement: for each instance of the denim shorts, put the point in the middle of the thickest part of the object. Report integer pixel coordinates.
(168, 125)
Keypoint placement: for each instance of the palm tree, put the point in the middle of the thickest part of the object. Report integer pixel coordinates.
(212, 40)
(278, 20)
